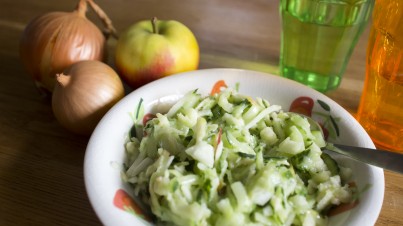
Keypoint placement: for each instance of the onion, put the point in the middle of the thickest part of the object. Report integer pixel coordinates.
(52, 42)
(83, 93)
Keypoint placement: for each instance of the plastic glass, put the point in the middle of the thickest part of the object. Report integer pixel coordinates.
(381, 107)
(318, 37)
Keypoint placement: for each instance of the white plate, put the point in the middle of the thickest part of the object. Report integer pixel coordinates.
(105, 151)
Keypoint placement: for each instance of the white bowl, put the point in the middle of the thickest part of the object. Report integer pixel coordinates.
(112, 199)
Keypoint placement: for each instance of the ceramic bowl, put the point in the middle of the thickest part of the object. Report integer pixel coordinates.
(113, 200)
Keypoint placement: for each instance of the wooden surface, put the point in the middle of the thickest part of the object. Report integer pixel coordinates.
(41, 164)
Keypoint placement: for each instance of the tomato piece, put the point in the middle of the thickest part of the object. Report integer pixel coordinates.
(123, 201)
(302, 105)
(147, 118)
(218, 86)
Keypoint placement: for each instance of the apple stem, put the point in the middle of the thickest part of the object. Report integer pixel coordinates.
(154, 23)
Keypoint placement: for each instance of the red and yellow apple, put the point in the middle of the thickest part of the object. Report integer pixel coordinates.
(149, 50)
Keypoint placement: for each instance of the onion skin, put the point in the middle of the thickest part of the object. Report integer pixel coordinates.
(83, 93)
(52, 42)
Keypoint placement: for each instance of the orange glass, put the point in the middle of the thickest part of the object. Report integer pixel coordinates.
(381, 107)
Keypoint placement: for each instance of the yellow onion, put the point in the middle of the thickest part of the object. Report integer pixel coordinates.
(83, 93)
(52, 42)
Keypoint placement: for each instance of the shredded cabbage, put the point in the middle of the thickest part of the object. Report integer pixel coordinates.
(227, 159)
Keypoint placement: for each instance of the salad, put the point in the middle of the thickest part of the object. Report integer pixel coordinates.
(228, 159)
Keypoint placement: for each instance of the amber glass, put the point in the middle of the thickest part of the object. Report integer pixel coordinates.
(381, 106)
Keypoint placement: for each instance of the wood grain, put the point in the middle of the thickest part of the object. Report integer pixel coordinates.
(41, 164)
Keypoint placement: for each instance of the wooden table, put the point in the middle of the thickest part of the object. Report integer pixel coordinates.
(41, 164)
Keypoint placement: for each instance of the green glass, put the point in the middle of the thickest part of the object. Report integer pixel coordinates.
(318, 37)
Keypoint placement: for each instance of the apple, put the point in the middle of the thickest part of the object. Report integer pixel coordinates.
(149, 50)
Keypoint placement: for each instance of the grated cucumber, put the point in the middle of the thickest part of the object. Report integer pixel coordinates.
(227, 159)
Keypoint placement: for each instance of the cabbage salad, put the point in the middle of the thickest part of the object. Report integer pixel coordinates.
(228, 159)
